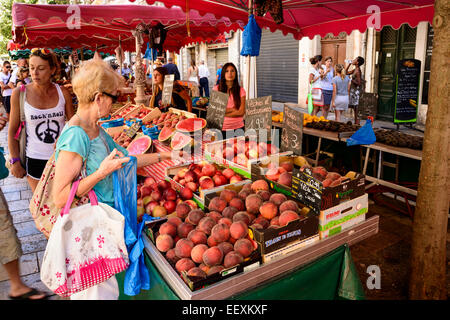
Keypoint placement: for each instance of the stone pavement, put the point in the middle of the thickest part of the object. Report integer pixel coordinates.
(18, 194)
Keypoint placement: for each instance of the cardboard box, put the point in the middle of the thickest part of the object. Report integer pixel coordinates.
(343, 216)
(199, 197)
(291, 248)
(196, 283)
(125, 106)
(211, 155)
(183, 112)
(272, 239)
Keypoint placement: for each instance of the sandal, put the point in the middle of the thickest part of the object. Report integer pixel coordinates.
(29, 294)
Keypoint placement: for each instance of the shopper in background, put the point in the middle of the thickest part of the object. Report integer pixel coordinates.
(5, 76)
(218, 73)
(203, 74)
(22, 62)
(172, 69)
(234, 115)
(23, 77)
(327, 75)
(126, 72)
(46, 108)
(193, 72)
(315, 81)
(357, 84)
(341, 90)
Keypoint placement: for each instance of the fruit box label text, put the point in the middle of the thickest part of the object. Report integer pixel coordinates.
(282, 237)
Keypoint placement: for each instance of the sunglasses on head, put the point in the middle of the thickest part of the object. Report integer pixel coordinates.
(40, 51)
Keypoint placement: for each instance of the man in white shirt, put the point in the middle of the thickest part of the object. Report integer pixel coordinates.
(22, 62)
(5, 76)
(203, 74)
(126, 71)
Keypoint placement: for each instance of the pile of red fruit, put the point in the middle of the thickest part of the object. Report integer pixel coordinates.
(205, 175)
(143, 111)
(122, 139)
(240, 151)
(281, 174)
(123, 112)
(159, 199)
(167, 119)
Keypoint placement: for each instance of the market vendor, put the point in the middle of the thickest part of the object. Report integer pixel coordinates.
(229, 83)
(180, 98)
(83, 141)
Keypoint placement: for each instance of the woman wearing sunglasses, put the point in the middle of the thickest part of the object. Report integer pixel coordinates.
(46, 107)
(84, 142)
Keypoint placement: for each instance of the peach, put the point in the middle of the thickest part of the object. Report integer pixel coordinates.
(265, 195)
(196, 272)
(184, 264)
(244, 247)
(207, 183)
(182, 210)
(232, 258)
(275, 221)
(288, 166)
(257, 226)
(176, 221)
(215, 269)
(183, 248)
(268, 210)
(171, 256)
(247, 187)
(242, 216)
(278, 198)
(168, 228)
(164, 242)
(195, 216)
(320, 170)
(289, 205)
(220, 232)
(206, 224)
(228, 173)
(184, 229)
(226, 221)
(261, 221)
(272, 174)
(212, 256)
(229, 212)
(217, 204)
(243, 194)
(285, 179)
(197, 237)
(260, 185)
(237, 203)
(204, 267)
(197, 252)
(225, 247)
(287, 216)
(336, 182)
(327, 182)
(253, 202)
(238, 230)
(211, 242)
(333, 175)
(227, 194)
(318, 176)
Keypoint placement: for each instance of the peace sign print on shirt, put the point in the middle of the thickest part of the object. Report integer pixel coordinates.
(47, 131)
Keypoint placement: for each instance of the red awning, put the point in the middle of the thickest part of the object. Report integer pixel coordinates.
(101, 26)
(320, 17)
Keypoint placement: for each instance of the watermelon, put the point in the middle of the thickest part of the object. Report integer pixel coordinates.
(166, 133)
(180, 141)
(191, 125)
(139, 145)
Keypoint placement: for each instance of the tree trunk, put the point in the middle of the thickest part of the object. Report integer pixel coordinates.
(428, 250)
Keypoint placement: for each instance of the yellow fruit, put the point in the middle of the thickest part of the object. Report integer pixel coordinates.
(351, 175)
(300, 161)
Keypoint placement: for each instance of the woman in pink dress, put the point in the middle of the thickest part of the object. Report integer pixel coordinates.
(234, 116)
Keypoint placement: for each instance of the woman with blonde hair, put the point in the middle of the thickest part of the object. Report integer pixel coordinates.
(84, 142)
(341, 89)
(46, 107)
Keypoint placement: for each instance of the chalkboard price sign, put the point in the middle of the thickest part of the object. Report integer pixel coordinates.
(131, 131)
(292, 133)
(215, 112)
(258, 113)
(307, 189)
(407, 93)
(166, 98)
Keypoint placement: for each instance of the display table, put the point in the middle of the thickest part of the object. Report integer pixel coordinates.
(322, 270)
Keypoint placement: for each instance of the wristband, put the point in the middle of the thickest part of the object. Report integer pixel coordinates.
(13, 160)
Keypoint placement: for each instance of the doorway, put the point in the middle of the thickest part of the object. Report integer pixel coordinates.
(334, 47)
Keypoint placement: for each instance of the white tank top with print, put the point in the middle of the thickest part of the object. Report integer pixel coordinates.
(43, 127)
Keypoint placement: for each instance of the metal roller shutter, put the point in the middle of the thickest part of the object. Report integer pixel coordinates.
(277, 67)
(222, 56)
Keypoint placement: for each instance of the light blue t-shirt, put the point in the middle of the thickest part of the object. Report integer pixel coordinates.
(326, 81)
(75, 139)
(341, 85)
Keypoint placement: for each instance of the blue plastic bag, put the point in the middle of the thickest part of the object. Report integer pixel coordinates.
(137, 277)
(364, 135)
(251, 38)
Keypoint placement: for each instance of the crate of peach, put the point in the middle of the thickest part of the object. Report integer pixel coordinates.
(202, 178)
(200, 248)
(239, 153)
(272, 219)
(335, 188)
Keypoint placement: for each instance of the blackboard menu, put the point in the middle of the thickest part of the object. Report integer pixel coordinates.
(292, 132)
(166, 98)
(215, 112)
(258, 113)
(407, 93)
(307, 189)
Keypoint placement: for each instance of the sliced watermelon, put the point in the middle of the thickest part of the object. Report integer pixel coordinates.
(139, 145)
(166, 133)
(180, 141)
(191, 125)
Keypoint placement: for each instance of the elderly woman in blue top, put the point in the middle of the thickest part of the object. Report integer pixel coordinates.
(83, 140)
